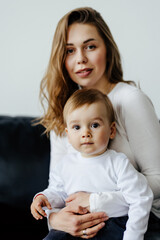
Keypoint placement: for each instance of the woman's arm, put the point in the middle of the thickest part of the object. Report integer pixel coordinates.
(143, 132)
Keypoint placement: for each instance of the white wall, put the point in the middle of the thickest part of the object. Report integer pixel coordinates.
(26, 32)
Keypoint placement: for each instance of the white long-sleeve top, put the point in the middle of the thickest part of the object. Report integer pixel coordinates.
(138, 137)
(109, 172)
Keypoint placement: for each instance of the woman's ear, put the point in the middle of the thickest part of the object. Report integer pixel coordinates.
(113, 130)
(66, 130)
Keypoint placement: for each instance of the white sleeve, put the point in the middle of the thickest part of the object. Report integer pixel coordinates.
(55, 190)
(55, 197)
(113, 203)
(55, 193)
(58, 148)
(138, 195)
(143, 132)
(58, 151)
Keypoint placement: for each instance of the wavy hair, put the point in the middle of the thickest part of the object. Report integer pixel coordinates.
(56, 86)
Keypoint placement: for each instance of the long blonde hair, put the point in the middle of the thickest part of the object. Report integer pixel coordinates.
(56, 86)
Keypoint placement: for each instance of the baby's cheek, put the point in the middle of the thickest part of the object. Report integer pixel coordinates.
(104, 140)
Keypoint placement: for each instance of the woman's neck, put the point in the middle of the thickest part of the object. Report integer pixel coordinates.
(104, 86)
(107, 88)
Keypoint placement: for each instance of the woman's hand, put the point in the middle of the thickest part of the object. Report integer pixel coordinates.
(79, 199)
(74, 219)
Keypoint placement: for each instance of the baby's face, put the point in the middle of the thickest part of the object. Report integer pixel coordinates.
(88, 129)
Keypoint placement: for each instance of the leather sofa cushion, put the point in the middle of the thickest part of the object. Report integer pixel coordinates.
(24, 169)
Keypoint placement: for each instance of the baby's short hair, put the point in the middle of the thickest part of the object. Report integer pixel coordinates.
(83, 97)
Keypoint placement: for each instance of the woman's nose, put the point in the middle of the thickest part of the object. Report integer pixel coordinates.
(81, 57)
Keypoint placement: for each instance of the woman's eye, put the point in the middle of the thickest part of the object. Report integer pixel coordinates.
(91, 47)
(76, 127)
(95, 125)
(69, 51)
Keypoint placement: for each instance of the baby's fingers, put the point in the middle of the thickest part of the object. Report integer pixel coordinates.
(41, 211)
(47, 204)
(37, 216)
(35, 213)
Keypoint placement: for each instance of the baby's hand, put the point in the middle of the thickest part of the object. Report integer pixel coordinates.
(36, 207)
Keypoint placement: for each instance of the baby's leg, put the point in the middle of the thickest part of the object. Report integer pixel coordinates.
(113, 229)
(58, 235)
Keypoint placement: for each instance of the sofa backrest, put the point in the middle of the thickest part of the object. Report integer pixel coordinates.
(24, 166)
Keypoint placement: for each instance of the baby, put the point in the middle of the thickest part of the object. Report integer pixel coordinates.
(90, 125)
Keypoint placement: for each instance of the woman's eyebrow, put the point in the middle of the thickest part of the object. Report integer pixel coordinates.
(86, 41)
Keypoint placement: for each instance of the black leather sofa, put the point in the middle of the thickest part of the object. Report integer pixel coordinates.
(24, 168)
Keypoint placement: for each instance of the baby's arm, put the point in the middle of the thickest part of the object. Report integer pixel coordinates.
(138, 195)
(52, 197)
(39, 201)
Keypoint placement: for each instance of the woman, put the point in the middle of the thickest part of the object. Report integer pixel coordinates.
(85, 55)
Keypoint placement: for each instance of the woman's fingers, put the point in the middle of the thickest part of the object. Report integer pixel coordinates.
(92, 227)
(93, 222)
(70, 198)
(91, 232)
(73, 208)
(91, 219)
(88, 237)
(80, 199)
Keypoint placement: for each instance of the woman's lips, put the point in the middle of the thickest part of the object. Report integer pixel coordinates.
(84, 72)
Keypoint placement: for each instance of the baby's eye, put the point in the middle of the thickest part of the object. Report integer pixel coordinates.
(95, 125)
(76, 127)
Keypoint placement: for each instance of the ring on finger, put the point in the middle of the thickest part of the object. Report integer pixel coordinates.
(84, 232)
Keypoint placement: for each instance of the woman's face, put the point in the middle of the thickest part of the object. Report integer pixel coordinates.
(86, 56)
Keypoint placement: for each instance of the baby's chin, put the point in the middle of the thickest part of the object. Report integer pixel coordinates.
(92, 154)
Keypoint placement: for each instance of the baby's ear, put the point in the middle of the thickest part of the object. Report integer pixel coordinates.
(113, 130)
